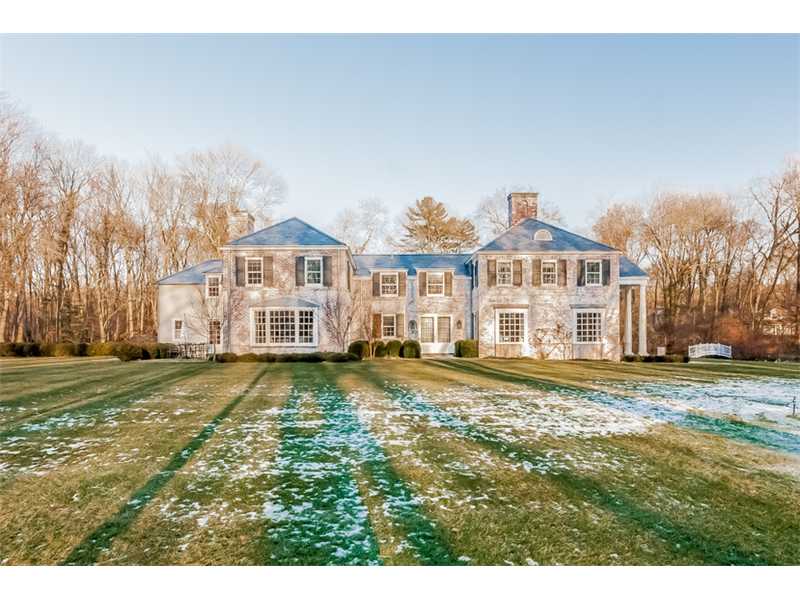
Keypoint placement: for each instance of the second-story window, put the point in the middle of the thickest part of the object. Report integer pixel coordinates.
(594, 272)
(255, 275)
(212, 287)
(388, 284)
(504, 272)
(313, 271)
(548, 272)
(435, 284)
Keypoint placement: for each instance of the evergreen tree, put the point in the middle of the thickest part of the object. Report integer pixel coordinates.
(428, 228)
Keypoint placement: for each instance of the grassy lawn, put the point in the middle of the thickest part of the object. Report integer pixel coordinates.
(398, 462)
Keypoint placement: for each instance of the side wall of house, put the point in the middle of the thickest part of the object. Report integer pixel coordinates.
(550, 311)
(184, 302)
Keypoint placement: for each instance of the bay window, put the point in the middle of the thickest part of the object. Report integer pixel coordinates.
(284, 327)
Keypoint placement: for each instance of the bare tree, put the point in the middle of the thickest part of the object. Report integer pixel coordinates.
(491, 216)
(363, 228)
(340, 314)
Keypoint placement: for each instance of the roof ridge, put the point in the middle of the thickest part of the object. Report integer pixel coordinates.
(299, 220)
(546, 224)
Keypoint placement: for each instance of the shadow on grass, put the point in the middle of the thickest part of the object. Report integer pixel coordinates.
(734, 430)
(89, 550)
(681, 539)
(317, 509)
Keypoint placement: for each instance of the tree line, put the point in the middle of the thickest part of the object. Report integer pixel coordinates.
(84, 239)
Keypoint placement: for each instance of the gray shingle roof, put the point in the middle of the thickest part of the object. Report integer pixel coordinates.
(411, 262)
(628, 268)
(520, 238)
(291, 232)
(195, 274)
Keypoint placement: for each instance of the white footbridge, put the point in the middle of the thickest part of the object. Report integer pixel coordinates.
(705, 350)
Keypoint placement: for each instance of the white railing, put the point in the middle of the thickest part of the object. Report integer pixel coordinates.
(700, 350)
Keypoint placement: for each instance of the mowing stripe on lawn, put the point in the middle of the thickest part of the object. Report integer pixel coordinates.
(89, 550)
(100, 400)
(682, 540)
(317, 511)
(766, 437)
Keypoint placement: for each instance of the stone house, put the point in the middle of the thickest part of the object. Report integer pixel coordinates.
(536, 290)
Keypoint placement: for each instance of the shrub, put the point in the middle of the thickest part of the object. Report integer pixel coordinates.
(8, 349)
(125, 351)
(62, 349)
(226, 357)
(300, 357)
(360, 348)
(393, 348)
(411, 349)
(156, 350)
(31, 349)
(677, 358)
(467, 348)
(99, 349)
(266, 357)
(379, 349)
(247, 357)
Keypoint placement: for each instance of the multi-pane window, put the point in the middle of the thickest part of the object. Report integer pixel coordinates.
(427, 333)
(388, 326)
(177, 329)
(284, 327)
(435, 284)
(510, 327)
(594, 272)
(212, 288)
(388, 284)
(214, 332)
(313, 271)
(504, 272)
(305, 326)
(260, 327)
(443, 330)
(255, 275)
(548, 272)
(588, 327)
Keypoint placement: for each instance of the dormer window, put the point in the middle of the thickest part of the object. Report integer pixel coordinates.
(542, 235)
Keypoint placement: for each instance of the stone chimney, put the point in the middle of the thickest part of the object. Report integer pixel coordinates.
(241, 224)
(521, 206)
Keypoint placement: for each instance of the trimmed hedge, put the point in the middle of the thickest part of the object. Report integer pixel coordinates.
(393, 348)
(268, 357)
(226, 357)
(360, 348)
(650, 358)
(410, 349)
(248, 357)
(122, 350)
(379, 349)
(467, 348)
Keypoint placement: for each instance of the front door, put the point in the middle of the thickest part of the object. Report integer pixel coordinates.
(435, 334)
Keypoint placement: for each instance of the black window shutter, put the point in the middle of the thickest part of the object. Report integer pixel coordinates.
(562, 272)
(299, 271)
(606, 271)
(448, 284)
(240, 271)
(266, 262)
(536, 279)
(376, 284)
(517, 272)
(581, 272)
(327, 277)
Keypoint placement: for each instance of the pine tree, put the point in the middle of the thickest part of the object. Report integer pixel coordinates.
(428, 228)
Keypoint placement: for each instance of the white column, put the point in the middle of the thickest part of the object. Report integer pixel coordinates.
(643, 319)
(629, 320)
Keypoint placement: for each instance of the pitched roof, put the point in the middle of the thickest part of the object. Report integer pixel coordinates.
(193, 275)
(291, 232)
(520, 238)
(411, 262)
(628, 268)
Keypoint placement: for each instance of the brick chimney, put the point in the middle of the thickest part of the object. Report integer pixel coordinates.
(521, 206)
(241, 224)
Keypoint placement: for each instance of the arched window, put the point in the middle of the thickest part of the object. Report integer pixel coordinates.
(542, 235)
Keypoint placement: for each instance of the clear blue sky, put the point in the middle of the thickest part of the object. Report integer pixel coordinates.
(584, 119)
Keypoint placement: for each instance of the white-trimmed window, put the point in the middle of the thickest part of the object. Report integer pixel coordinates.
(284, 327)
(510, 326)
(505, 272)
(594, 272)
(549, 276)
(435, 284)
(388, 326)
(588, 326)
(389, 285)
(212, 286)
(177, 330)
(214, 331)
(255, 272)
(313, 270)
